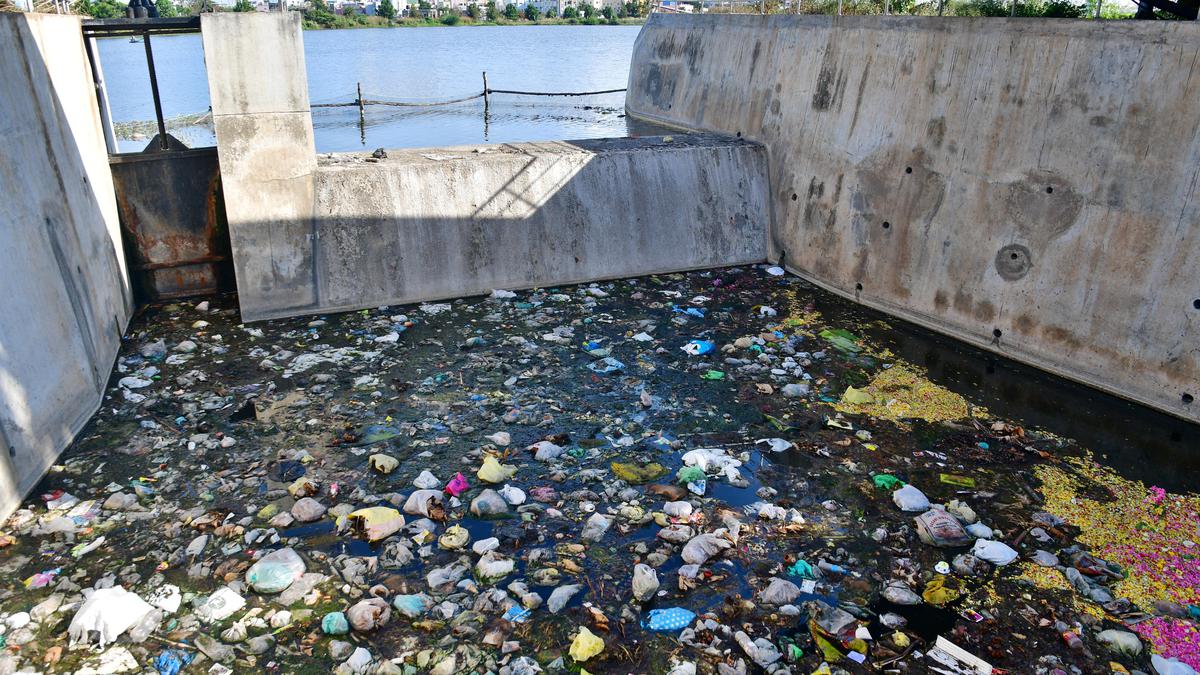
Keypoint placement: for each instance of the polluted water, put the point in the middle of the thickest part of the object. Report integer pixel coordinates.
(726, 471)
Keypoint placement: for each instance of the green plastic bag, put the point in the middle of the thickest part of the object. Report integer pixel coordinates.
(691, 474)
(842, 340)
(885, 481)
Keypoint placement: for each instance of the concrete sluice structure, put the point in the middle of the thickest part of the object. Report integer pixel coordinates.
(1027, 187)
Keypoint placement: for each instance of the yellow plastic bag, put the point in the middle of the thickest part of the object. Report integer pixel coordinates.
(383, 463)
(585, 645)
(454, 538)
(635, 475)
(857, 396)
(936, 592)
(493, 471)
(377, 522)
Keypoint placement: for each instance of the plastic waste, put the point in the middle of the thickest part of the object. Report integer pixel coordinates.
(376, 522)
(595, 527)
(419, 502)
(1120, 641)
(335, 623)
(383, 463)
(412, 606)
(995, 552)
(801, 569)
(669, 619)
(454, 538)
(426, 481)
(704, 546)
(698, 347)
(561, 596)
(884, 481)
(544, 451)
(492, 471)
(775, 444)
(938, 528)
(645, 582)
(857, 396)
(1165, 666)
(606, 365)
(635, 474)
(307, 509)
(761, 650)
(513, 495)
(457, 485)
(493, 567)
(585, 645)
(368, 614)
(909, 498)
(779, 592)
(899, 593)
(171, 661)
(108, 612)
(489, 503)
(275, 571)
(936, 593)
(220, 605)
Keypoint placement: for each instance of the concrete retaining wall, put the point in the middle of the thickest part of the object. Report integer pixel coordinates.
(430, 224)
(65, 298)
(1029, 186)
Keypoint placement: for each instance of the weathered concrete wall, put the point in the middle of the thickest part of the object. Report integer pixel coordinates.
(259, 95)
(430, 224)
(424, 225)
(1029, 186)
(65, 298)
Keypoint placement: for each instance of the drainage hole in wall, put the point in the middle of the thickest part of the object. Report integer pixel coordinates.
(739, 134)
(1196, 303)
(997, 332)
(1187, 399)
(886, 224)
(795, 197)
(858, 287)
(1014, 255)
(1049, 190)
(908, 169)
(12, 451)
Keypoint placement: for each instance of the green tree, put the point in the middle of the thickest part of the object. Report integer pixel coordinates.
(490, 8)
(473, 11)
(166, 9)
(100, 9)
(387, 10)
(589, 11)
(552, 13)
(607, 13)
(318, 14)
(569, 12)
(449, 18)
(243, 6)
(511, 13)
(531, 12)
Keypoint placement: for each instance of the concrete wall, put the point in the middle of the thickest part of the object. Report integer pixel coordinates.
(1029, 186)
(430, 224)
(65, 298)
(259, 94)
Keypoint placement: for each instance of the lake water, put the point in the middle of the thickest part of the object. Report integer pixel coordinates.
(411, 65)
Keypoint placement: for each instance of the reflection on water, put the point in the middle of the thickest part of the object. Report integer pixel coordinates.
(409, 65)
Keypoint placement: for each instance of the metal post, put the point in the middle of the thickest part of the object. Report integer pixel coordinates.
(1013, 11)
(362, 116)
(485, 92)
(162, 125)
(839, 8)
(110, 137)
(941, 7)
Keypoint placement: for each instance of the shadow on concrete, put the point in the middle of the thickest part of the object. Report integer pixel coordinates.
(66, 299)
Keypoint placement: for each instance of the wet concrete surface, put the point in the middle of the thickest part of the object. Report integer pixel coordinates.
(207, 432)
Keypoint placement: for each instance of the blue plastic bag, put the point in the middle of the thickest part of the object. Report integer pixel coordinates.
(171, 661)
(675, 618)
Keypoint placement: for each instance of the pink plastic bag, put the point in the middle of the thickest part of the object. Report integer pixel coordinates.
(457, 485)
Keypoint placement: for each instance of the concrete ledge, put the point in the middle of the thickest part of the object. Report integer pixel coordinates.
(447, 222)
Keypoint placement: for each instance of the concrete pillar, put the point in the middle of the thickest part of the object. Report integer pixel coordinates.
(259, 92)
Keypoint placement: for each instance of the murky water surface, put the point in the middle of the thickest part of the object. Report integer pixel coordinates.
(869, 399)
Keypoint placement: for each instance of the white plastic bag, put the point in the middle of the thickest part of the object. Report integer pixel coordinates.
(995, 552)
(645, 582)
(909, 498)
(704, 546)
(275, 571)
(109, 612)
